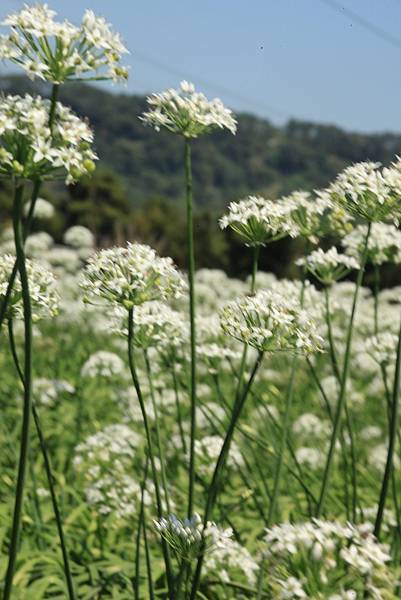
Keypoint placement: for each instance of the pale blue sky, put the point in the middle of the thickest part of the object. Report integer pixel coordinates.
(276, 58)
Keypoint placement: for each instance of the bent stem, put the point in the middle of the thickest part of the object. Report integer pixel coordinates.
(220, 464)
(343, 386)
(191, 278)
(392, 441)
(27, 378)
(134, 375)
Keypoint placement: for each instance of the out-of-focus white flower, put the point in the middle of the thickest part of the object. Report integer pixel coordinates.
(29, 149)
(130, 276)
(382, 348)
(43, 209)
(42, 284)
(384, 244)
(270, 323)
(103, 364)
(187, 112)
(37, 244)
(208, 450)
(330, 266)
(59, 51)
(79, 236)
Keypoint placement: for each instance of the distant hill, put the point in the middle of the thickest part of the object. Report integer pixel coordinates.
(261, 158)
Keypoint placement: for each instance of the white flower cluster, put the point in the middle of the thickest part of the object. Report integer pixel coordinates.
(207, 451)
(130, 276)
(227, 559)
(78, 237)
(44, 297)
(185, 536)
(104, 460)
(384, 244)
(103, 364)
(259, 221)
(29, 149)
(382, 347)
(46, 392)
(270, 323)
(329, 557)
(309, 425)
(43, 209)
(187, 112)
(155, 325)
(306, 213)
(365, 190)
(58, 51)
(328, 267)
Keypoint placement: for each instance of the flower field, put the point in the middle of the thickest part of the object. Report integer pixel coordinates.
(186, 435)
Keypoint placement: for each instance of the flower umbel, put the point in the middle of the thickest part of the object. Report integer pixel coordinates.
(187, 112)
(330, 266)
(130, 276)
(270, 323)
(60, 51)
(29, 149)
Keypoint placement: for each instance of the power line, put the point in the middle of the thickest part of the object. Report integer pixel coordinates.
(218, 88)
(368, 25)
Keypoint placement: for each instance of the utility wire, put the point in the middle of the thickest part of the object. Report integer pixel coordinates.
(368, 25)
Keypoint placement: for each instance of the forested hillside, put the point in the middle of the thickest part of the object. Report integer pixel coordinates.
(138, 186)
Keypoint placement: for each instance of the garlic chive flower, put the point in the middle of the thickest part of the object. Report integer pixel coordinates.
(366, 191)
(186, 537)
(130, 276)
(259, 221)
(156, 325)
(43, 209)
(42, 289)
(384, 244)
(58, 51)
(29, 150)
(187, 112)
(328, 560)
(270, 322)
(382, 348)
(330, 266)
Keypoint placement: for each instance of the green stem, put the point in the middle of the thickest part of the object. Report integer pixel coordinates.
(46, 460)
(283, 443)
(138, 390)
(178, 408)
(27, 376)
(158, 436)
(220, 464)
(138, 535)
(343, 386)
(191, 281)
(392, 440)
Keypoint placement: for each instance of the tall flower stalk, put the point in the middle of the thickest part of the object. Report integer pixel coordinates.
(189, 114)
(27, 374)
(343, 384)
(191, 281)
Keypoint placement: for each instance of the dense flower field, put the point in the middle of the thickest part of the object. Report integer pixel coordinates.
(186, 435)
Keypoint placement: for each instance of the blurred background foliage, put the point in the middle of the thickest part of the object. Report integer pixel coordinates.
(137, 189)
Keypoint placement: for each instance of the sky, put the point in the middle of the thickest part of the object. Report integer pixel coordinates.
(327, 61)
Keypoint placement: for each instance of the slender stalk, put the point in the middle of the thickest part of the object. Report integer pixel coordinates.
(27, 376)
(191, 281)
(138, 535)
(392, 441)
(49, 475)
(343, 386)
(178, 408)
(158, 436)
(46, 459)
(148, 559)
(283, 443)
(134, 375)
(220, 464)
